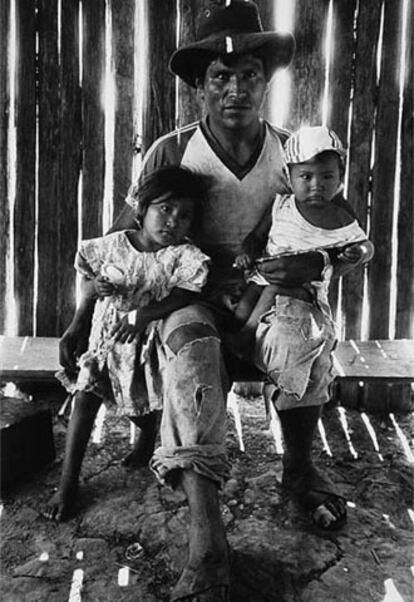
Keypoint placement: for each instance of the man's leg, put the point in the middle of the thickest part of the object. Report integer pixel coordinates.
(294, 348)
(192, 452)
(85, 408)
(207, 569)
(313, 490)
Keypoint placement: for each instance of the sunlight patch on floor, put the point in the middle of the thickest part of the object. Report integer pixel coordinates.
(344, 424)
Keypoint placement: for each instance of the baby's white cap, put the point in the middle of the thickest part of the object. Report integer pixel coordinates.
(309, 141)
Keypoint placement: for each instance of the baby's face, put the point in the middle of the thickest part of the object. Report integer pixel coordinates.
(316, 181)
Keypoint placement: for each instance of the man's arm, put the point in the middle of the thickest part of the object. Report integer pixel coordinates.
(295, 270)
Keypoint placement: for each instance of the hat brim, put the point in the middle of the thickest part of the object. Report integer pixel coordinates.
(275, 48)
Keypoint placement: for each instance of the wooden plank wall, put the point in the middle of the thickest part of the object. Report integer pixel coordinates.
(59, 183)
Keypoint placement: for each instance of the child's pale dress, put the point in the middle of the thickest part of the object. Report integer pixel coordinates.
(114, 371)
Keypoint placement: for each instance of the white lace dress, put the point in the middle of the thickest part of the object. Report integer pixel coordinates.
(111, 370)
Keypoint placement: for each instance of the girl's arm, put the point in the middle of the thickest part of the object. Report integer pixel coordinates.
(124, 332)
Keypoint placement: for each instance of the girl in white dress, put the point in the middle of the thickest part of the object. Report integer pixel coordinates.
(140, 276)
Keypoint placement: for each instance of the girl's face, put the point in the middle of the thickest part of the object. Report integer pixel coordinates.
(167, 221)
(316, 181)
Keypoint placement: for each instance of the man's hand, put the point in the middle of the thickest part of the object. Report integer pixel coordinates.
(292, 270)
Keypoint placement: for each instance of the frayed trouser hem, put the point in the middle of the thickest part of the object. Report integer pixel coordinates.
(208, 461)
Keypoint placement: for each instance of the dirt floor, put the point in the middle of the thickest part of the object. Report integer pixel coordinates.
(125, 519)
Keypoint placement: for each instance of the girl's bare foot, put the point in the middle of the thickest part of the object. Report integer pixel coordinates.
(62, 503)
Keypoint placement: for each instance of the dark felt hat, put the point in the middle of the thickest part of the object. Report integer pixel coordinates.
(227, 27)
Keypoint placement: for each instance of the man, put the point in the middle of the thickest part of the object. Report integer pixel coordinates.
(240, 156)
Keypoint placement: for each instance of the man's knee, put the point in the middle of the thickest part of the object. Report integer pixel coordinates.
(189, 333)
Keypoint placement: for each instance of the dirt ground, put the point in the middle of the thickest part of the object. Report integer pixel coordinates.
(125, 519)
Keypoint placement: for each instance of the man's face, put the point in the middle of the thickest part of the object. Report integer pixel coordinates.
(233, 92)
(316, 181)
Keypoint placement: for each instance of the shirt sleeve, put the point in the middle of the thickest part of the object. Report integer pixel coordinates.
(90, 257)
(191, 269)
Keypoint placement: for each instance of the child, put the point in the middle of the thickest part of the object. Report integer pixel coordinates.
(305, 220)
(141, 275)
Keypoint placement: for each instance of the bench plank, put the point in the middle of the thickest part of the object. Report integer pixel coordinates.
(375, 360)
(28, 358)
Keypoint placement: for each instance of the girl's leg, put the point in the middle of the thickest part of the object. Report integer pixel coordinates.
(85, 408)
(146, 434)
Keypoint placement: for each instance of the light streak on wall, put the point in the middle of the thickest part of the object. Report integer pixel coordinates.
(109, 105)
(329, 55)
(140, 78)
(280, 89)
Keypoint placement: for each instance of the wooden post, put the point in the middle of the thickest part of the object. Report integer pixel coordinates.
(340, 81)
(93, 166)
(70, 158)
(159, 107)
(308, 64)
(4, 124)
(48, 174)
(405, 269)
(188, 109)
(24, 208)
(123, 12)
(359, 172)
(386, 127)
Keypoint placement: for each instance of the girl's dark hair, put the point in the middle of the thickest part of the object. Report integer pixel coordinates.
(178, 182)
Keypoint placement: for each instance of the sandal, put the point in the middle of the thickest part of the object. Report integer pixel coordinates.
(317, 494)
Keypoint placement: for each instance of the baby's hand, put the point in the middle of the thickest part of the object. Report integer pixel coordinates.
(103, 287)
(244, 261)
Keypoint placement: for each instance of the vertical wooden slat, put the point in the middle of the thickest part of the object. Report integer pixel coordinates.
(4, 197)
(70, 159)
(48, 174)
(188, 109)
(308, 67)
(123, 54)
(359, 172)
(340, 81)
(93, 117)
(159, 107)
(340, 71)
(267, 17)
(405, 271)
(24, 212)
(384, 172)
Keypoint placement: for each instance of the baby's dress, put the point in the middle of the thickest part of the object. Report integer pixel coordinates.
(113, 371)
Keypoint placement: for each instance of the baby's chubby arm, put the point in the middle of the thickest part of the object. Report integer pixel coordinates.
(255, 242)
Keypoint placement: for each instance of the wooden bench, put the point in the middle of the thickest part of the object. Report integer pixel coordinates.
(365, 370)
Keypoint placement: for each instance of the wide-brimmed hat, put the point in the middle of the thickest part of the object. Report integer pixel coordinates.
(229, 27)
(309, 141)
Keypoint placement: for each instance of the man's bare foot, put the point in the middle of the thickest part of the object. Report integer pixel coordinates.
(207, 573)
(62, 503)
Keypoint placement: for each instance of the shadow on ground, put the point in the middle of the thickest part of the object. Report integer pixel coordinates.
(125, 519)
